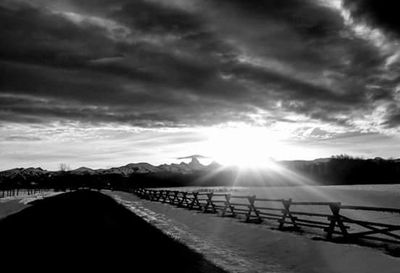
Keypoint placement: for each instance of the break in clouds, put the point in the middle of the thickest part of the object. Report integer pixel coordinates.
(329, 64)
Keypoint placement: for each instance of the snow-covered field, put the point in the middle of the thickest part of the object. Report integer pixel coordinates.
(241, 247)
(13, 204)
(24, 198)
(362, 195)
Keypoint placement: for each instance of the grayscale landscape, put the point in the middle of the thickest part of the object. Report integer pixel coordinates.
(200, 135)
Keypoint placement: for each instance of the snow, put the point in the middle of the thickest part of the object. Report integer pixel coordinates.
(24, 198)
(362, 195)
(241, 247)
(13, 204)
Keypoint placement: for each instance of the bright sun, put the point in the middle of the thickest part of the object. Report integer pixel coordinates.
(248, 147)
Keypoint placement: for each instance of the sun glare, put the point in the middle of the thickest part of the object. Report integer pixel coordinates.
(246, 147)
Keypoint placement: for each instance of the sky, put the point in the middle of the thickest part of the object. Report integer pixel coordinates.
(104, 83)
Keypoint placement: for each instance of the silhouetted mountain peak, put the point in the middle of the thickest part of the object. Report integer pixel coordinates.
(195, 164)
(214, 165)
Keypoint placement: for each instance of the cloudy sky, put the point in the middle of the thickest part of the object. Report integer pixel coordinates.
(104, 83)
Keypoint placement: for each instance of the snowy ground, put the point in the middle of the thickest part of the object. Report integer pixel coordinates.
(13, 204)
(362, 195)
(241, 247)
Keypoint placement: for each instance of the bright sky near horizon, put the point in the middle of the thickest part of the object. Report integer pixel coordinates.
(104, 83)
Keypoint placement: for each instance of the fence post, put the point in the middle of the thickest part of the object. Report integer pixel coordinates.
(179, 198)
(195, 201)
(228, 206)
(159, 194)
(183, 200)
(170, 197)
(151, 195)
(287, 214)
(167, 196)
(209, 203)
(148, 196)
(156, 195)
(335, 219)
(162, 196)
(252, 208)
(175, 199)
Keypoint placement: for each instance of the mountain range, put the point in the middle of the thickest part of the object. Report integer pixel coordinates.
(132, 168)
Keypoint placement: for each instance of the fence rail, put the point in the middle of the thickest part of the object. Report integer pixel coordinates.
(332, 217)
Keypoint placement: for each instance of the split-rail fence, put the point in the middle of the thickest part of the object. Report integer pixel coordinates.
(337, 221)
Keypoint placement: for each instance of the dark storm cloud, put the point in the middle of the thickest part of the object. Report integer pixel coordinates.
(381, 13)
(305, 16)
(155, 63)
(382, 16)
(392, 116)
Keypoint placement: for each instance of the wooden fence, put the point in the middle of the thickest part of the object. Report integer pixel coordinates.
(20, 192)
(337, 221)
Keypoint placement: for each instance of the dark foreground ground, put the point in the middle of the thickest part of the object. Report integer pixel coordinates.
(88, 230)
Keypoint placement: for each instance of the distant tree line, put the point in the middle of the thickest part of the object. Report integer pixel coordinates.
(347, 170)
